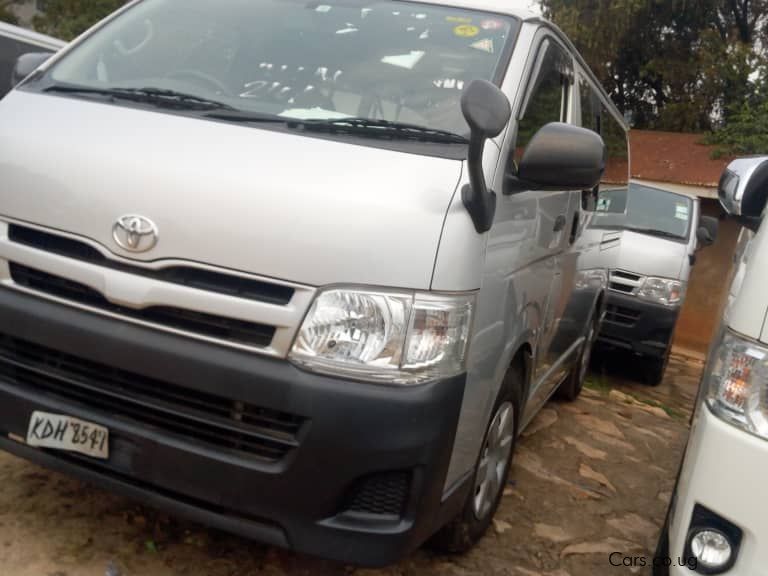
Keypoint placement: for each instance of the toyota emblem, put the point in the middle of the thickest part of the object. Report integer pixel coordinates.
(135, 233)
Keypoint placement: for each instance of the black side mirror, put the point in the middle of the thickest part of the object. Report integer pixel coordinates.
(26, 64)
(560, 157)
(706, 233)
(487, 112)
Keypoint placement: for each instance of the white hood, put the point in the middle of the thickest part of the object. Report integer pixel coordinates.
(651, 256)
(298, 208)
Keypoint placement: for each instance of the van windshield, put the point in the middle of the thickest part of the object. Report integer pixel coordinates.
(645, 210)
(330, 59)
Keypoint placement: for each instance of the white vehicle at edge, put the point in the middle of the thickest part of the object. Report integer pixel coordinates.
(717, 520)
(301, 270)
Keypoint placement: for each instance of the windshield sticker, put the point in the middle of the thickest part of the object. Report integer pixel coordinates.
(323, 8)
(491, 24)
(346, 30)
(449, 84)
(404, 60)
(424, 35)
(603, 204)
(458, 19)
(466, 31)
(681, 212)
(486, 45)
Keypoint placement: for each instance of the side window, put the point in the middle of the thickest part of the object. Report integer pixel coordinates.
(10, 50)
(590, 106)
(547, 99)
(617, 145)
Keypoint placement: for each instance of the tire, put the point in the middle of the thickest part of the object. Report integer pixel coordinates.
(655, 368)
(571, 387)
(464, 531)
(662, 551)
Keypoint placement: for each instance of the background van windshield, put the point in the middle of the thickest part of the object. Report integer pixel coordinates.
(390, 60)
(644, 209)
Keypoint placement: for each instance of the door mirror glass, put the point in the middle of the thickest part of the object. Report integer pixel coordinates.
(743, 189)
(560, 157)
(706, 233)
(26, 64)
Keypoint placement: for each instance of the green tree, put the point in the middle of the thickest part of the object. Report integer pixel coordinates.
(6, 15)
(68, 18)
(744, 134)
(683, 65)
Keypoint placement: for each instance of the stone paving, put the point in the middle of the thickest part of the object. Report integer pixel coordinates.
(589, 479)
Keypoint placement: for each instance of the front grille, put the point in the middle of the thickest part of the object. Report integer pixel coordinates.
(626, 288)
(227, 284)
(195, 417)
(626, 276)
(218, 327)
(622, 315)
(384, 494)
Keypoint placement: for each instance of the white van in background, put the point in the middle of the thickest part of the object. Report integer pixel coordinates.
(661, 232)
(717, 517)
(14, 42)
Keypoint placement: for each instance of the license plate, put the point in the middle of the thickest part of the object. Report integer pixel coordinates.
(69, 434)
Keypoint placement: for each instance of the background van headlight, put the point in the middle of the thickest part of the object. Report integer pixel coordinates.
(387, 337)
(662, 291)
(737, 384)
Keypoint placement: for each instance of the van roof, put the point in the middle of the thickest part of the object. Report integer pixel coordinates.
(17, 33)
(517, 8)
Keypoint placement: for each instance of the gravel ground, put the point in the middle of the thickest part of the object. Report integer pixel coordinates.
(589, 479)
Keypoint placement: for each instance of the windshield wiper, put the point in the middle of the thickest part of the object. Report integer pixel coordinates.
(157, 96)
(235, 115)
(379, 129)
(654, 232)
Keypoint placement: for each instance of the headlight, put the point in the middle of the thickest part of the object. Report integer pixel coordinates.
(387, 337)
(737, 383)
(662, 291)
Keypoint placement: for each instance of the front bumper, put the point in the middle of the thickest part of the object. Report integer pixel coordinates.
(350, 432)
(642, 327)
(724, 471)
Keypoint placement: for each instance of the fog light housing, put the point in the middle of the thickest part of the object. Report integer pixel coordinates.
(713, 542)
(711, 548)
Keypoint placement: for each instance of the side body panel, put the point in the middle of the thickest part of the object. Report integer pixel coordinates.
(529, 270)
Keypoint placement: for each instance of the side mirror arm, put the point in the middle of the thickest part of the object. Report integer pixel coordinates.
(478, 200)
(487, 111)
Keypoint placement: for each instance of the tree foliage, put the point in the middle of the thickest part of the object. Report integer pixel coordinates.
(681, 65)
(68, 18)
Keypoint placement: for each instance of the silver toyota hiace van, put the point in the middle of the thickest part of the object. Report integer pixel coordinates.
(301, 270)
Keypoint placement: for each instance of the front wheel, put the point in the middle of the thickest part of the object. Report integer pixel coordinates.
(491, 473)
(655, 368)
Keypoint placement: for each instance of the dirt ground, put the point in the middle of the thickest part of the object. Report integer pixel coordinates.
(589, 479)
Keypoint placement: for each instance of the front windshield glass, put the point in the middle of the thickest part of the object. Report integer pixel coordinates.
(645, 210)
(385, 60)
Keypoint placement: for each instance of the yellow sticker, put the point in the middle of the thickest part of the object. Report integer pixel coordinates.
(458, 19)
(466, 31)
